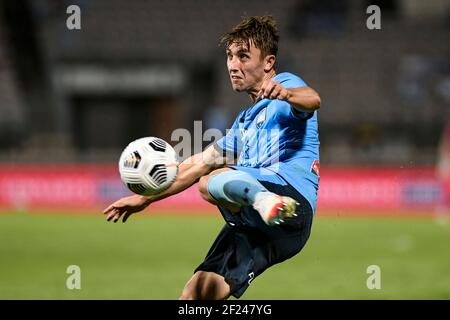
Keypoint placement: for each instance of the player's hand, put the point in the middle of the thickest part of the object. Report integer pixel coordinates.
(271, 89)
(125, 207)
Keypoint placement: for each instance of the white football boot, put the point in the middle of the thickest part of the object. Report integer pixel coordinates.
(274, 208)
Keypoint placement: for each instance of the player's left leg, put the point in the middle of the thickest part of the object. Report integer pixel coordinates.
(239, 188)
(203, 189)
(206, 286)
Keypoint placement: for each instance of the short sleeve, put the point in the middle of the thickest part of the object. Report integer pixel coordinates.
(284, 110)
(290, 81)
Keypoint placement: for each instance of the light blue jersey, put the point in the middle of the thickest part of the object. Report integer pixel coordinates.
(272, 135)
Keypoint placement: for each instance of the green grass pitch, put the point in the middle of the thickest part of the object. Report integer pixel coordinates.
(152, 256)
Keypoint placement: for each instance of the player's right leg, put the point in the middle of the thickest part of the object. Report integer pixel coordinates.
(242, 189)
(206, 286)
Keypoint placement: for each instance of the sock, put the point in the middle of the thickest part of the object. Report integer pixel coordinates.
(235, 186)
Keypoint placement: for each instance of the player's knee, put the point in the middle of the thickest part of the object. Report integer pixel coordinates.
(205, 286)
(187, 294)
(203, 189)
(193, 287)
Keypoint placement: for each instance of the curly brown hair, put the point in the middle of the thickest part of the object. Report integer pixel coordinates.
(260, 30)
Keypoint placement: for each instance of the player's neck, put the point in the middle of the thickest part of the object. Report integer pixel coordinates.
(254, 93)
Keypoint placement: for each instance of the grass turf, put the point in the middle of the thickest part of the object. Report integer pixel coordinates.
(151, 257)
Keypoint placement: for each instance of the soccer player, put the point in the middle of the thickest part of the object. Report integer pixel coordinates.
(268, 198)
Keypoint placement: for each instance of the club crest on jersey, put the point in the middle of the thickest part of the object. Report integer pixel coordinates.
(315, 168)
(260, 118)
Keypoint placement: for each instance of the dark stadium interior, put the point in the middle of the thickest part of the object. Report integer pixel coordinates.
(141, 68)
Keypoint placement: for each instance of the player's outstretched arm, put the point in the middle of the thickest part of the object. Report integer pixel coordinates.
(304, 99)
(189, 172)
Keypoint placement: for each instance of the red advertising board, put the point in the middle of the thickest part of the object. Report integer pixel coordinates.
(378, 188)
(94, 186)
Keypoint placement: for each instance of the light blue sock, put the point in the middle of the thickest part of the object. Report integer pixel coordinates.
(234, 186)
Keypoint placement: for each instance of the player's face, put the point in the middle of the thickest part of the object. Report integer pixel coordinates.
(245, 67)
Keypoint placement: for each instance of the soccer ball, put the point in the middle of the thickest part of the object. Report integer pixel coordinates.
(148, 166)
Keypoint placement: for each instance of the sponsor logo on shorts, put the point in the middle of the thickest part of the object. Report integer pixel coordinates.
(251, 275)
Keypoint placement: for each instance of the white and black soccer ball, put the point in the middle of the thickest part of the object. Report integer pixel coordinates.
(148, 166)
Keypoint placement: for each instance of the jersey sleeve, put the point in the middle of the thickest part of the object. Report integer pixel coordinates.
(231, 143)
(284, 110)
(287, 110)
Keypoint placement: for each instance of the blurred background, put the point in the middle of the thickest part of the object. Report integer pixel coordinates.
(71, 100)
